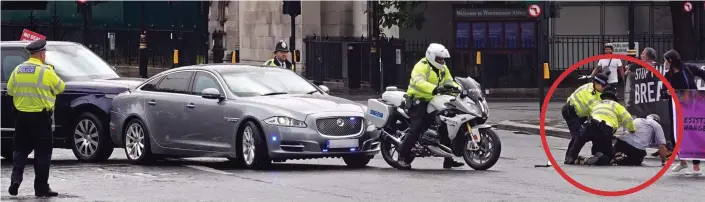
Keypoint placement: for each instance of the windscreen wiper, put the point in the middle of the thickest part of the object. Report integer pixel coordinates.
(312, 92)
(275, 93)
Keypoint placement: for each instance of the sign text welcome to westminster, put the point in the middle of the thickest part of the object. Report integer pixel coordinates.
(492, 12)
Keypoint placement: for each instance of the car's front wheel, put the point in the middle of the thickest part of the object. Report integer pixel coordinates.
(360, 161)
(137, 147)
(91, 141)
(251, 149)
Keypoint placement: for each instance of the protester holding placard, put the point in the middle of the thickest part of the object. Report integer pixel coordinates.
(681, 77)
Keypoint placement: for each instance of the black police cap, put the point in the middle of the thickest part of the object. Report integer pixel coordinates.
(609, 94)
(36, 46)
(281, 46)
(601, 78)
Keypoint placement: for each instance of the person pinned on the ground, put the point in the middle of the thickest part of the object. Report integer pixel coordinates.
(630, 148)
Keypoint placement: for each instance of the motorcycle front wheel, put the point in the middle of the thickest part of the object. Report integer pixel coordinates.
(389, 152)
(488, 153)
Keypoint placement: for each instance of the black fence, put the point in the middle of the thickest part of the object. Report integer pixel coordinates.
(353, 60)
(344, 58)
(125, 46)
(566, 50)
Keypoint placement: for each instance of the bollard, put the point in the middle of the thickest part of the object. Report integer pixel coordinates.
(235, 56)
(143, 55)
(546, 71)
(176, 59)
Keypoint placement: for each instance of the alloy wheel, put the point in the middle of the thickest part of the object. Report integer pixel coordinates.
(248, 146)
(85, 137)
(134, 141)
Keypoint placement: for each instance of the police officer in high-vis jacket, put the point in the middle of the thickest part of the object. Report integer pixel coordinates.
(428, 78)
(606, 117)
(33, 86)
(577, 108)
(280, 57)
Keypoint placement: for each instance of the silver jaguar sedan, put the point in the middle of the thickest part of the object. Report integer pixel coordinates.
(252, 115)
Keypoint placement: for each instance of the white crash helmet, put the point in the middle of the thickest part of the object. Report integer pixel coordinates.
(436, 55)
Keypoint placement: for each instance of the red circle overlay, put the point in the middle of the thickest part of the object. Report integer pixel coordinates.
(560, 171)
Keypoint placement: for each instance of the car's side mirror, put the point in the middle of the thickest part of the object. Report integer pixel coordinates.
(211, 93)
(324, 88)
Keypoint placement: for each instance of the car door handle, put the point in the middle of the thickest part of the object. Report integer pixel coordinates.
(152, 102)
(190, 105)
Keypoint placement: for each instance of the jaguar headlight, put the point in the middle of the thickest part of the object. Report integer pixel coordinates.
(285, 121)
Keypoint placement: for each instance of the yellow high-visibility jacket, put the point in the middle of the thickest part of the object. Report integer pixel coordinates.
(274, 63)
(424, 79)
(614, 115)
(583, 99)
(33, 86)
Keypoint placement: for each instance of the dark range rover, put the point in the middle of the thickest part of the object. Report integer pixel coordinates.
(81, 113)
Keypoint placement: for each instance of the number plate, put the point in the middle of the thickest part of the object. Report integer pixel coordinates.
(347, 143)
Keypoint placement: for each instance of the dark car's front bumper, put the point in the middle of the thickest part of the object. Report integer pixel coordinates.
(306, 143)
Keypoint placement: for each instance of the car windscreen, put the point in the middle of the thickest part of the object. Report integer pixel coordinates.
(266, 81)
(76, 62)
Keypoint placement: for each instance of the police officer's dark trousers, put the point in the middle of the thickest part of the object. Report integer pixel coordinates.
(575, 124)
(33, 133)
(420, 121)
(601, 136)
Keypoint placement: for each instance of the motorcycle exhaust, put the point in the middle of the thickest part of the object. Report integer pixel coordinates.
(396, 141)
(439, 151)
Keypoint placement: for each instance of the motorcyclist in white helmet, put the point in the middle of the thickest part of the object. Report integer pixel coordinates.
(428, 78)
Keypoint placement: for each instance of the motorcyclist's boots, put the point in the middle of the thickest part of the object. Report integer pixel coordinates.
(452, 163)
(403, 165)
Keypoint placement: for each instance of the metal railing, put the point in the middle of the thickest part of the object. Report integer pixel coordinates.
(124, 50)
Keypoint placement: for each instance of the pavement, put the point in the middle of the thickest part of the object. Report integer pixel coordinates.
(513, 178)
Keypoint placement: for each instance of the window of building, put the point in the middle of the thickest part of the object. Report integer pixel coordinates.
(462, 35)
(527, 34)
(478, 34)
(494, 34)
(511, 34)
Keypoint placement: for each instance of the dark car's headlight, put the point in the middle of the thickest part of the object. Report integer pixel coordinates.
(110, 96)
(285, 121)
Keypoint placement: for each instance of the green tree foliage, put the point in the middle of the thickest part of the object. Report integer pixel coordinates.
(405, 16)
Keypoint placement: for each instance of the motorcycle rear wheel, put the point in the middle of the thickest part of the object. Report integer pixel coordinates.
(489, 138)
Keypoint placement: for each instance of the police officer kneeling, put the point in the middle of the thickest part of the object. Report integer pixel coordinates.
(630, 148)
(577, 109)
(605, 117)
(281, 57)
(33, 86)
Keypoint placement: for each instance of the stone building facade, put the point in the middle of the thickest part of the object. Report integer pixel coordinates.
(254, 27)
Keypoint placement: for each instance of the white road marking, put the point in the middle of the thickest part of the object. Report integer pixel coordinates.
(207, 169)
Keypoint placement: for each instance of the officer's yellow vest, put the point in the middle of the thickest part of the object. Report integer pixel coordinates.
(613, 113)
(270, 62)
(583, 98)
(34, 86)
(424, 80)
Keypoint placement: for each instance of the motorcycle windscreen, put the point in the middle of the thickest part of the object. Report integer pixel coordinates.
(470, 87)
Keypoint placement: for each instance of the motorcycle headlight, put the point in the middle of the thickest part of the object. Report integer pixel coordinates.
(285, 121)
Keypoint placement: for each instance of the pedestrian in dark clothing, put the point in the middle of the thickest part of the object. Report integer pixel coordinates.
(682, 77)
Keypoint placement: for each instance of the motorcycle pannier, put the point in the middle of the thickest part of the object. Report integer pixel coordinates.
(378, 112)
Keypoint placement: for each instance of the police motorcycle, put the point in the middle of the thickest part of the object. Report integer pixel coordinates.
(461, 117)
